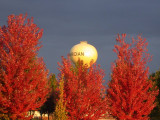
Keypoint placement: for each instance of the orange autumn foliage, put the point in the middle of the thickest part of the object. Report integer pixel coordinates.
(83, 90)
(23, 76)
(129, 94)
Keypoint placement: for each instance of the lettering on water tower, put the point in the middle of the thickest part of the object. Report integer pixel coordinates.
(77, 53)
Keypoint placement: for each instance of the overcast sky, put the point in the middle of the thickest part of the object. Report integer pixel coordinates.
(67, 22)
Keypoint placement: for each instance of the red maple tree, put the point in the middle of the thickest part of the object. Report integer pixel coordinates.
(129, 94)
(83, 90)
(23, 76)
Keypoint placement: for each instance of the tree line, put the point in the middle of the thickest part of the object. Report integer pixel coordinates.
(78, 92)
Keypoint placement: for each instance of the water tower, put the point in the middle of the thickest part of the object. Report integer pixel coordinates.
(85, 52)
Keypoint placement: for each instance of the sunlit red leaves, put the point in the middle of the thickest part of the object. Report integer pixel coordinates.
(23, 76)
(129, 94)
(83, 90)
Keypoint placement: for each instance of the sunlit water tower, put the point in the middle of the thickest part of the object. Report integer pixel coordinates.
(85, 52)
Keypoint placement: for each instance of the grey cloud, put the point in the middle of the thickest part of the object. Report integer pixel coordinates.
(66, 22)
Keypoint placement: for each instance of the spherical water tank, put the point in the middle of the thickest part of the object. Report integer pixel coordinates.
(85, 52)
